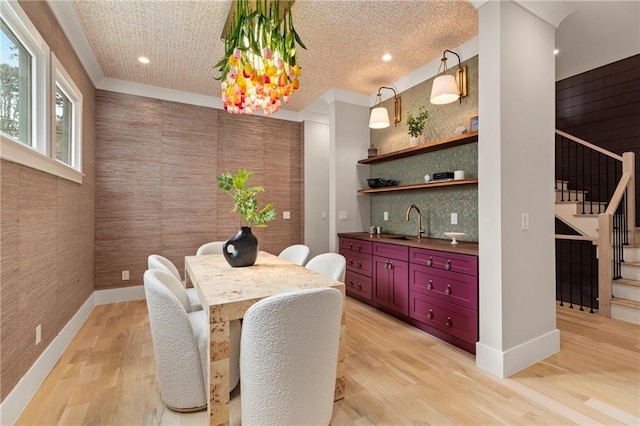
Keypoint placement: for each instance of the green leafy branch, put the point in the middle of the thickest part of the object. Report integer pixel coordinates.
(416, 124)
(245, 199)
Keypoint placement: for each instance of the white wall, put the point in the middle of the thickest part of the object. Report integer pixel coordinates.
(349, 136)
(316, 187)
(515, 171)
(596, 34)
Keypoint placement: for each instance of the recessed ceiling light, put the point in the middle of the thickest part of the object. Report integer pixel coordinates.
(555, 51)
(143, 59)
(387, 57)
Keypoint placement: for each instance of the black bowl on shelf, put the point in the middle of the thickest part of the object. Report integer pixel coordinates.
(374, 182)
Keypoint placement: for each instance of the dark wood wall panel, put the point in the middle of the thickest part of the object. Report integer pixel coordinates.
(47, 232)
(157, 190)
(602, 106)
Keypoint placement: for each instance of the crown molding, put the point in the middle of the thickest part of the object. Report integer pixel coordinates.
(340, 95)
(68, 20)
(551, 12)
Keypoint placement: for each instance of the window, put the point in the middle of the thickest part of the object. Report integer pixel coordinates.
(67, 117)
(40, 106)
(15, 87)
(63, 127)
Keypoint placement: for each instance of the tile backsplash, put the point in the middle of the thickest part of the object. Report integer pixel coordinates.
(436, 204)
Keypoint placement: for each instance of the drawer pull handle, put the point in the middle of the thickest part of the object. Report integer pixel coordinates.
(350, 261)
(390, 265)
(359, 287)
(359, 247)
(430, 314)
(448, 265)
(430, 285)
(350, 246)
(448, 289)
(448, 323)
(430, 261)
(351, 283)
(359, 264)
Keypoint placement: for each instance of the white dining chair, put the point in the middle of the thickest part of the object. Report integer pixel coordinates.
(155, 261)
(333, 265)
(180, 341)
(214, 247)
(296, 253)
(288, 358)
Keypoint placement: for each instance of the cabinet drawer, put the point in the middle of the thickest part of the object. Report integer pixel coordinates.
(451, 319)
(391, 251)
(355, 245)
(357, 262)
(357, 284)
(452, 287)
(453, 262)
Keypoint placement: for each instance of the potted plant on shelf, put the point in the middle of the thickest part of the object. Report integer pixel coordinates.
(416, 125)
(242, 250)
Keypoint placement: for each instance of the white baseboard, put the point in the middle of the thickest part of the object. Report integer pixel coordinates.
(115, 295)
(505, 363)
(18, 399)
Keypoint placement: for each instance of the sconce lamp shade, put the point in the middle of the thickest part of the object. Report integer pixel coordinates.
(379, 118)
(445, 90)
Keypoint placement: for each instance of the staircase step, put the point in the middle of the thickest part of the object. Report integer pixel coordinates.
(626, 281)
(625, 310)
(631, 270)
(622, 290)
(562, 184)
(572, 195)
(584, 225)
(625, 302)
(631, 253)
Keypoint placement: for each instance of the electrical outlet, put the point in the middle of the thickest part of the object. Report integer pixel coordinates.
(342, 215)
(454, 218)
(125, 275)
(286, 215)
(38, 334)
(525, 221)
(386, 215)
(323, 215)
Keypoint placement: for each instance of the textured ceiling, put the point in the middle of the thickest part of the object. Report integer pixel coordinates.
(345, 41)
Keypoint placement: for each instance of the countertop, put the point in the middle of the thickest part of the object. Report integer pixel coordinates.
(463, 247)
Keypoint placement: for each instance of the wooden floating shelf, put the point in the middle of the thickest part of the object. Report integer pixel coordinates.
(419, 186)
(421, 149)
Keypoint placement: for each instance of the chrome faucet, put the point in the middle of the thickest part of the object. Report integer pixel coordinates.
(420, 230)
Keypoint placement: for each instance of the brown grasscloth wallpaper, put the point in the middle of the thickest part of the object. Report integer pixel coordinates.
(156, 188)
(47, 227)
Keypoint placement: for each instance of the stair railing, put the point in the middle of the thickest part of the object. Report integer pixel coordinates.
(604, 176)
(616, 227)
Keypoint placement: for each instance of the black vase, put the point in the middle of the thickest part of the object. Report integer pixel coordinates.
(241, 250)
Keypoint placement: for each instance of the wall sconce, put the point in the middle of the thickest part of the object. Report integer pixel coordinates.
(447, 88)
(379, 118)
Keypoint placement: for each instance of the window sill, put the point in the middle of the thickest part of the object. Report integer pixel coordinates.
(22, 154)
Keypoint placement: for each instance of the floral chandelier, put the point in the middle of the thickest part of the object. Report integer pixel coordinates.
(259, 69)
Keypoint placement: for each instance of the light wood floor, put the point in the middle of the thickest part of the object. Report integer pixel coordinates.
(396, 375)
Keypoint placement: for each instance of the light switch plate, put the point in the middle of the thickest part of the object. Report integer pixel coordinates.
(323, 215)
(125, 275)
(286, 215)
(454, 218)
(386, 215)
(342, 215)
(525, 221)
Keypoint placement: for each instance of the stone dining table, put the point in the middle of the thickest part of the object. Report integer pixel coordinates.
(226, 293)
